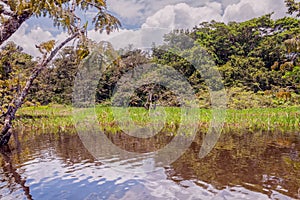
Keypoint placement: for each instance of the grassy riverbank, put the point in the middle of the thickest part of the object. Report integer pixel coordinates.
(60, 118)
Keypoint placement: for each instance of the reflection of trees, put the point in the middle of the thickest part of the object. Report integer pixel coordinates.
(67, 146)
(70, 148)
(10, 174)
(260, 160)
(141, 145)
(252, 160)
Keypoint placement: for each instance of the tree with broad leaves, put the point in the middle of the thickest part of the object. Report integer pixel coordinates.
(293, 7)
(64, 13)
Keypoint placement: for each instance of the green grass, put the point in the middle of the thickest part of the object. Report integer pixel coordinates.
(59, 118)
(54, 118)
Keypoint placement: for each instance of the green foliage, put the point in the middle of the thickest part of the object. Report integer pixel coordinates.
(51, 117)
(46, 47)
(253, 57)
(62, 12)
(15, 68)
(55, 85)
(126, 63)
(293, 7)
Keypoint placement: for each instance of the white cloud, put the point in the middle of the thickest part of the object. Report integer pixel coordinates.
(134, 12)
(128, 10)
(163, 21)
(119, 39)
(226, 3)
(247, 9)
(184, 16)
(34, 37)
(137, 11)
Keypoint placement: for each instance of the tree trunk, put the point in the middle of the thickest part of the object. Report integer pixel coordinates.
(12, 171)
(18, 101)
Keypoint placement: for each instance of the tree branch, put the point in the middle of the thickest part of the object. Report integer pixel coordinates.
(94, 5)
(8, 13)
(18, 101)
(5, 1)
(12, 25)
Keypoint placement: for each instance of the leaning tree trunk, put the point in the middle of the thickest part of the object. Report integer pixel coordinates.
(17, 102)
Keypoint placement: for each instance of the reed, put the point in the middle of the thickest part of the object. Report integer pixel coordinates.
(57, 118)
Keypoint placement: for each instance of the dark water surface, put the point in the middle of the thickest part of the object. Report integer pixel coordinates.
(241, 166)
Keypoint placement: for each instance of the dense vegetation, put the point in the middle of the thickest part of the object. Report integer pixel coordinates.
(258, 60)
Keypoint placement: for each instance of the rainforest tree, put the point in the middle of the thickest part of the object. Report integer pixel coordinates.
(64, 13)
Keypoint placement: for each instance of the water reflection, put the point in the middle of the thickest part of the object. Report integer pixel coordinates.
(241, 166)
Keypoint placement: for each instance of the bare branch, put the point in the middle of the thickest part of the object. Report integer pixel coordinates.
(61, 45)
(74, 4)
(8, 13)
(4, 1)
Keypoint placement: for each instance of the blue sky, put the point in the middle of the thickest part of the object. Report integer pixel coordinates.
(145, 21)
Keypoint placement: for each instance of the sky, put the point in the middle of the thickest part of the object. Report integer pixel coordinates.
(146, 21)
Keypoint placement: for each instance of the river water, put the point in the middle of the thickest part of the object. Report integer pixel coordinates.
(241, 166)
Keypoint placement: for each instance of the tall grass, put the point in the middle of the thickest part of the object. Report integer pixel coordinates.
(60, 118)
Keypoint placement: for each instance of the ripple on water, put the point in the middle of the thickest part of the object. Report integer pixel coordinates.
(63, 169)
